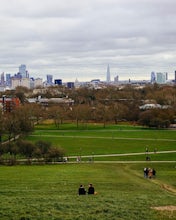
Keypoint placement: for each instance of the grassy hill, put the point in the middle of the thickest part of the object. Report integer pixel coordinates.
(50, 191)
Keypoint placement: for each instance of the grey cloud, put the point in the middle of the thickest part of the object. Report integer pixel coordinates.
(84, 36)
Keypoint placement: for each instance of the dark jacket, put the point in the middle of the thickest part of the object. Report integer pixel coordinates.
(91, 190)
(81, 191)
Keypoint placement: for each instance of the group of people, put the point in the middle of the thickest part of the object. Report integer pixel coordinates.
(149, 172)
(82, 190)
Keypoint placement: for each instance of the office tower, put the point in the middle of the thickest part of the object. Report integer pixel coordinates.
(108, 77)
(58, 81)
(8, 79)
(2, 79)
(22, 71)
(116, 79)
(153, 77)
(49, 79)
(70, 85)
(161, 78)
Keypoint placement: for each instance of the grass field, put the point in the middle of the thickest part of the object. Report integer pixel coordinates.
(50, 191)
(95, 140)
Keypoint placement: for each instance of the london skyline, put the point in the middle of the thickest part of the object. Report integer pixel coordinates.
(78, 39)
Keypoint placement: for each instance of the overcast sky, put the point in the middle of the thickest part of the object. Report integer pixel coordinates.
(78, 38)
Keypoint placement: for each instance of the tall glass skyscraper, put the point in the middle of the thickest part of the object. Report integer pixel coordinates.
(8, 79)
(49, 79)
(22, 71)
(153, 77)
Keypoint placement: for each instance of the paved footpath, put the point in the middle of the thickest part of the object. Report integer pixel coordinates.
(126, 154)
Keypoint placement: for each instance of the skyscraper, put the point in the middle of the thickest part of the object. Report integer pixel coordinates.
(8, 79)
(108, 77)
(22, 71)
(49, 79)
(2, 79)
(161, 78)
(116, 79)
(153, 77)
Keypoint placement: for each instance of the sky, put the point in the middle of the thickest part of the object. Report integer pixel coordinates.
(77, 39)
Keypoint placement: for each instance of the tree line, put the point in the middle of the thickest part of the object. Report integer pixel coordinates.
(109, 105)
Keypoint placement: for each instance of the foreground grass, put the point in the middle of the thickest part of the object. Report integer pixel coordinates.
(50, 192)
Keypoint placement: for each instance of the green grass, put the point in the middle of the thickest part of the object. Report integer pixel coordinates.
(88, 126)
(115, 139)
(50, 192)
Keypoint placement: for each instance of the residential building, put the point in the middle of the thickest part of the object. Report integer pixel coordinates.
(20, 82)
(38, 82)
(9, 104)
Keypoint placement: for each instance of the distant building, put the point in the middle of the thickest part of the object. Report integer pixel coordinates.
(2, 79)
(9, 104)
(38, 82)
(175, 76)
(153, 106)
(58, 81)
(161, 78)
(77, 83)
(20, 82)
(108, 75)
(153, 77)
(70, 85)
(8, 79)
(23, 72)
(116, 79)
(49, 79)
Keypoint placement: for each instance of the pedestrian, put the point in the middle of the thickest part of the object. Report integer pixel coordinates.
(150, 173)
(81, 190)
(154, 173)
(91, 189)
(145, 172)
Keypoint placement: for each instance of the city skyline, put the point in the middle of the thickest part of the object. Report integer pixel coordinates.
(23, 73)
(78, 39)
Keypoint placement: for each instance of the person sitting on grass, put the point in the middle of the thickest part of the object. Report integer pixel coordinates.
(81, 190)
(91, 189)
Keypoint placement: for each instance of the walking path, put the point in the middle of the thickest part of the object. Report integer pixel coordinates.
(126, 154)
(103, 137)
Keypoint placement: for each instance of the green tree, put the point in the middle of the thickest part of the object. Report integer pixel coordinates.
(55, 154)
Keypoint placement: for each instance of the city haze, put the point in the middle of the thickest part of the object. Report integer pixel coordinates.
(78, 39)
